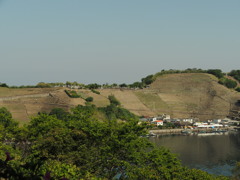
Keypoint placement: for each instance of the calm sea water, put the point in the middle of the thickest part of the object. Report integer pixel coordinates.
(216, 154)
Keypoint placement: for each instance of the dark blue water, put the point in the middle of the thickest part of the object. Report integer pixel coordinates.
(216, 154)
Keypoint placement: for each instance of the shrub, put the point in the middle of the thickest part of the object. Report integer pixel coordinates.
(95, 91)
(93, 86)
(123, 85)
(3, 85)
(147, 80)
(136, 85)
(235, 74)
(59, 113)
(43, 85)
(113, 100)
(228, 82)
(89, 99)
(216, 72)
(72, 94)
(238, 89)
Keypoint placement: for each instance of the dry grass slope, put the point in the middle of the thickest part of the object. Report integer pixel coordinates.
(194, 95)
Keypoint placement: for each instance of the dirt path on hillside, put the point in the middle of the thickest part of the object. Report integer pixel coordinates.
(24, 96)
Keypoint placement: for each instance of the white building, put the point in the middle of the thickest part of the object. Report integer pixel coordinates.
(158, 122)
(166, 117)
(217, 121)
(153, 119)
(187, 120)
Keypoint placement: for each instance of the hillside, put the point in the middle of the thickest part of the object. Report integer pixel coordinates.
(194, 95)
(180, 95)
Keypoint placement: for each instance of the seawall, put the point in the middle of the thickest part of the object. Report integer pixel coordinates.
(179, 131)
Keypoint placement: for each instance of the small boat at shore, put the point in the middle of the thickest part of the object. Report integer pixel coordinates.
(186, 132)
(151, 134)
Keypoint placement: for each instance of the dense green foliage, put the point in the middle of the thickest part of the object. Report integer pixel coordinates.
(115, 112)
(43, 85)
(147, 80)
(136, 85)
(59, 113)
(216, 72)
(93, 86)
(3, 85)
(238, 89)
(95, 91)
(89, 99)
(6, 118)
(78, 145)
(113, 100)
(228, 83)
(123, 85)
(235, 74)
(72, 94)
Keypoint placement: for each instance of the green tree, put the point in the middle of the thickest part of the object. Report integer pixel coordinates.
(84, 146)
(228, 82)
(236, 171)
(235, 74)
(93, 86)
(60, 113)
(123, 85)
(6, 119)
(216, 72)
(3, 85)
(147, 80)
(238, 89)
(89, 99)
(113, 100)
(43, 85)
(136, 85)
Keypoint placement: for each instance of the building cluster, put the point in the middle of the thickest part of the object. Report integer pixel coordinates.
(191, 123)
(216, 123)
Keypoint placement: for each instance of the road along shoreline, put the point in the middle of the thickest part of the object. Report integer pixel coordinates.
(189, 131)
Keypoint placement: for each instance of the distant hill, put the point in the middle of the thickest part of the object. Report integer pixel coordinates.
(195, 94)
(181, 95)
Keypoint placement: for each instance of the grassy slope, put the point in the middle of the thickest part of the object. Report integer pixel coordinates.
(128, 100)
(197, 95)
(180, 95)
(152, 101)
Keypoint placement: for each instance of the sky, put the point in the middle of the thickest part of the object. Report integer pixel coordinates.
(114, 41)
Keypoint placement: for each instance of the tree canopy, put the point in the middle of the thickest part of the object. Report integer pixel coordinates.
(85, 143)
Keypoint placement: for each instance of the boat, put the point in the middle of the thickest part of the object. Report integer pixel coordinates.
(186, 132)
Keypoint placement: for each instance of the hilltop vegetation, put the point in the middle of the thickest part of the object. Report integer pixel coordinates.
(145, 82)
(235, 74)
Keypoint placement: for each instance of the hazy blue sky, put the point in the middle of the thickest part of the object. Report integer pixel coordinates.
(114, 41)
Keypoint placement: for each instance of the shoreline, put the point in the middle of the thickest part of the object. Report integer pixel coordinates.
(154, 132)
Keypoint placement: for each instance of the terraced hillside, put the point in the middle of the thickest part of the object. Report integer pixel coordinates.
(24, 103)
(194, 95)
(180, 95)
